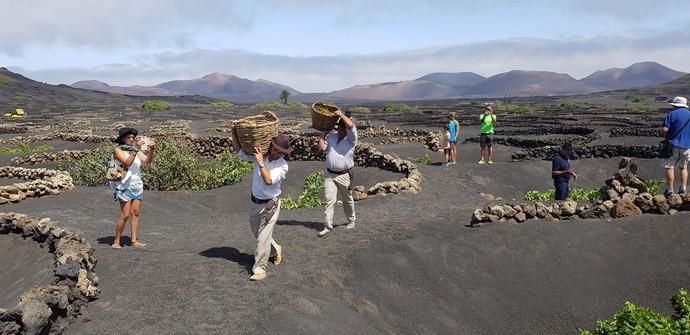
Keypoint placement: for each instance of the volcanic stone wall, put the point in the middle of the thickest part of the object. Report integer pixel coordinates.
(70, 137)
(42, 182)
(595, 151)
(633, 131)
(582, 131)
(624, 195)
(48, 309)
(49, 157)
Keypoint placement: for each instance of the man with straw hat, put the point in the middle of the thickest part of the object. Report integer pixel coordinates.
(339, 146)
(264, 206)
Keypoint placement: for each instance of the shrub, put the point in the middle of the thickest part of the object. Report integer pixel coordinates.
(21, 98)
(278, 105)
(117, 95)
(400, 108)
(572, 106)
(4, 79)
(653, 186)
(175, 167)
(576, 194)
(359, 110)
(222, 104)
(641, 108)
(421, 160)
(636, 320)
(156, 105)
(90, 169)
(25, 149)
(310, 198)
(513, 108)
(225, 169)
(634, 97)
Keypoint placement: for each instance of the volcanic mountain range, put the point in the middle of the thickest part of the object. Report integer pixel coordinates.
(429, 87)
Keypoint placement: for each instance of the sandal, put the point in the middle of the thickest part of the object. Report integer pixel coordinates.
(138, 244)
(116, 246)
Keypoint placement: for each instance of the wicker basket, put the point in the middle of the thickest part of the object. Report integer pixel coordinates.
(323, 116)
(257, 131)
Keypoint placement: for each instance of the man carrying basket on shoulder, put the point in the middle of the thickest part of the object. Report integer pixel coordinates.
(339, 146)
(264, 207)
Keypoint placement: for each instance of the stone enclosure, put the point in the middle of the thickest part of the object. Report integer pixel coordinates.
(624, 194)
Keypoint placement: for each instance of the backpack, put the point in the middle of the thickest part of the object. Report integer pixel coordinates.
(114, 171)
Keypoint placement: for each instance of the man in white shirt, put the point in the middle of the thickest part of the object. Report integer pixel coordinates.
(264, 206)
(339, 146)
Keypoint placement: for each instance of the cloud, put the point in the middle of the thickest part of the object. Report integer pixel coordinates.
(115, 23)
(639, 10)
(577, 57)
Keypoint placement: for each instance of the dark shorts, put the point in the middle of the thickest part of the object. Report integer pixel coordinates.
(561, 189)
(486, 140)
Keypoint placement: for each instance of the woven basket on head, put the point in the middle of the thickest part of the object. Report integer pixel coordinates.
(257, 131)
(323, 116)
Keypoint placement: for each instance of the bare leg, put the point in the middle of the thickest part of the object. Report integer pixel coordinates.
(491, 151)
(134, 223)
(684, 179)
(669, 179)
(121, 221)
(481, 155)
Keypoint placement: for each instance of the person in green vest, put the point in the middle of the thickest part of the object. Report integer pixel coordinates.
(486, 134)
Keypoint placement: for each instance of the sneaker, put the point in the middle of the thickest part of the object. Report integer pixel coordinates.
(480, 162)
(452, 162)
(668, 192)
(350, 225)
(490, 162)
(258, 276)
(324, 232)
(681, 191)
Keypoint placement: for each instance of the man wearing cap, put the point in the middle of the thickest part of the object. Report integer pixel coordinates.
(486, 134)
(561, 172)
(264, 206)
(677, 130)
(339, 146)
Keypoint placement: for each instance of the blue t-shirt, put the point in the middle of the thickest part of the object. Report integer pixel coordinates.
(560, 164)
(675, 120)
(453, 130)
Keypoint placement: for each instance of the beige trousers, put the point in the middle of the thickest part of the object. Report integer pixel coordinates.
(334, 184)
(263, 234)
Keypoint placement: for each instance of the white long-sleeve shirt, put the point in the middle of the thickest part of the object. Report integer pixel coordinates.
(278, 170)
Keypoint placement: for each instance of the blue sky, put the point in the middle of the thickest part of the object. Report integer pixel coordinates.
(323, 45)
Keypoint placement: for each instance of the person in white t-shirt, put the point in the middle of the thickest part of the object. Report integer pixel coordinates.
(264, 206)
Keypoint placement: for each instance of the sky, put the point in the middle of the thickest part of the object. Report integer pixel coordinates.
(325, 45)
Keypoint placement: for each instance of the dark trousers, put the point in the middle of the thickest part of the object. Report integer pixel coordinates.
(561, 189)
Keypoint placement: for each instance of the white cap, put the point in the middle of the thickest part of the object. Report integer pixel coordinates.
(679, 102)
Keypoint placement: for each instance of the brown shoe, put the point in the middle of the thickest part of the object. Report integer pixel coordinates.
(278, 258)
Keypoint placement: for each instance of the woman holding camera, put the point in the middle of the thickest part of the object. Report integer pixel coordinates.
(131, 154)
